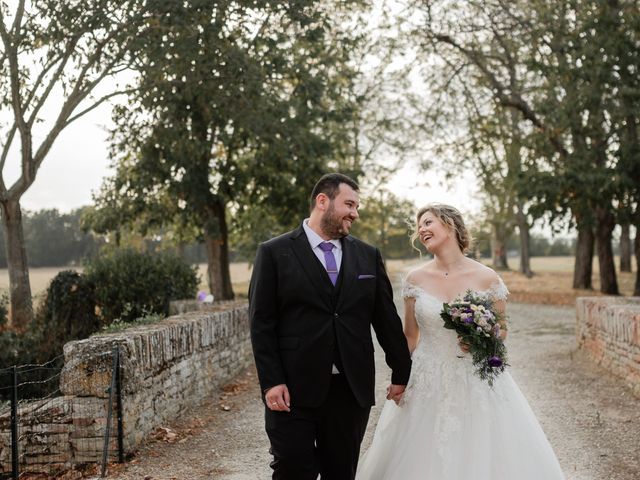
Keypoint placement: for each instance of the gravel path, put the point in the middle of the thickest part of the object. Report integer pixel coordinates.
(591, 419)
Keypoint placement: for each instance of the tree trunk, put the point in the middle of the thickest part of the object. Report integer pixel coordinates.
(525, 256)
(20, 287)
(499, 239)
(383, 231)
(604, 234)
(636, 290)
(181, 250)
(216, 242)
(583, 268)
(625, 248)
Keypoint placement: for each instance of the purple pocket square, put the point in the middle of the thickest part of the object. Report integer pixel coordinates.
(365, 277)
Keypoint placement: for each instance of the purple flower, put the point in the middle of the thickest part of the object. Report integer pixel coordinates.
(495, 362)
(201, 296)
(468, 320)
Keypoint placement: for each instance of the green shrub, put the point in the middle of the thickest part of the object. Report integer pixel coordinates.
(69, 309)
(28, 349)
(67, 313)
(4, 310)
(131, 284)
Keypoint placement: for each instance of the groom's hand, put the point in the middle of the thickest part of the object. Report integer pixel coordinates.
(277, 398)
(395, 392)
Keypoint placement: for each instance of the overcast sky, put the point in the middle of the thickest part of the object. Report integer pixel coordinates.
(78, 162)
(74, 167)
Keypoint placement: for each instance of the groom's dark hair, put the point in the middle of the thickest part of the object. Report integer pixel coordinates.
(329, 184)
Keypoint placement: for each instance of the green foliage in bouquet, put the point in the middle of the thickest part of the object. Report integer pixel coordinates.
(477, 323)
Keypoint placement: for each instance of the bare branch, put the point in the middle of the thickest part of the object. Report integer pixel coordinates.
(18, 20)
(54, 79)
(98, 103)
(91, 61)
(5, 152)
(513, 99)
(16, 101)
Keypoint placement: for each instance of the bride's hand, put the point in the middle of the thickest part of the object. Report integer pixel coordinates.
(463, 345)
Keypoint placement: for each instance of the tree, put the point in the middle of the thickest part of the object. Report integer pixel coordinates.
(232, 110)
(566, 54)
(625, 248)
(473, 131)
(636, 247)
(386, 221)
(51, 52)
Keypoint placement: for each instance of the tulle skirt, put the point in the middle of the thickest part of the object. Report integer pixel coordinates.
(453, 426)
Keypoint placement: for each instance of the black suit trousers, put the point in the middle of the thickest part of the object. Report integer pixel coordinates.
(324, 440)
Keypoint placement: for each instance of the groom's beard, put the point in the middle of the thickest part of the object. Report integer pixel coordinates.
(331, 223)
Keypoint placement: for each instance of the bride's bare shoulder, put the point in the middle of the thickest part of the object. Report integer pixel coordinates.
(486, 276)
(419, 274)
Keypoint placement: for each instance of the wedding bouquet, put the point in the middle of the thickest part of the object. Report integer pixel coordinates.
(476, 322)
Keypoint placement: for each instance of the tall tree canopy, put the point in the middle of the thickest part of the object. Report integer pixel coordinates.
(235, 107)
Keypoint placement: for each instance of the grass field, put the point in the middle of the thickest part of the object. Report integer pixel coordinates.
(550, 284)
(553, 278)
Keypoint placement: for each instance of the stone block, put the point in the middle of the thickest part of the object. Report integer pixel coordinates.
(608, 329)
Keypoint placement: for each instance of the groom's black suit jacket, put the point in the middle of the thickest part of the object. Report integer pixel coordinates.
(298, 316)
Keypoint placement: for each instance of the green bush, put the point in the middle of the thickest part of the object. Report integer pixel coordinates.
(26, 350)
(69, 309)
(130, 284)
(4, 309)
(67, 313)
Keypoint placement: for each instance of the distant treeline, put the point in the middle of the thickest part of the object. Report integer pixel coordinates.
(540, 246)
(55, 239)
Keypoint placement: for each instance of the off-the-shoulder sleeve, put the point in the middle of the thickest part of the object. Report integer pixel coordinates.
(409, 290)
(499, 290)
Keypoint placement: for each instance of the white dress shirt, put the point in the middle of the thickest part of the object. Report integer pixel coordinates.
(315, 240)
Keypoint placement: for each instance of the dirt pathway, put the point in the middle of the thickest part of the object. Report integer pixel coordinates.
(591, 419)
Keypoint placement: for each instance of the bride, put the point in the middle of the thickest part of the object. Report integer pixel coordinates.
(450, 425)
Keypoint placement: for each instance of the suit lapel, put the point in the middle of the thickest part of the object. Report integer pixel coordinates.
(310, 263)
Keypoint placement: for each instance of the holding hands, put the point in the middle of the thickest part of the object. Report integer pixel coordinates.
(395, 392)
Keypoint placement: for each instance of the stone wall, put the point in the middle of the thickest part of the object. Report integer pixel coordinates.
(166, 368)
(608, 329)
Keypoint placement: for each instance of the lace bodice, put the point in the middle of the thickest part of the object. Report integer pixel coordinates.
(428, 308)
(498, 290)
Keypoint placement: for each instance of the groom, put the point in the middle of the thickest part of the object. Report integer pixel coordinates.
(315, 292)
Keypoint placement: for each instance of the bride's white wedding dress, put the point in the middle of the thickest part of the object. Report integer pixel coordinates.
(451, 425)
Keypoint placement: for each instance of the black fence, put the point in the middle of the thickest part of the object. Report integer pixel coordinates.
(45, 434)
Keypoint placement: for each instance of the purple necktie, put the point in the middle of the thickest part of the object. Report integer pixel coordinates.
(330, 261)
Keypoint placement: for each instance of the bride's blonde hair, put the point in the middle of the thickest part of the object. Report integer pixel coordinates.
(450, 217)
